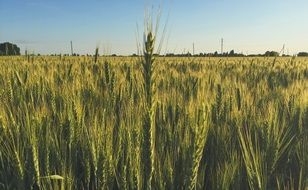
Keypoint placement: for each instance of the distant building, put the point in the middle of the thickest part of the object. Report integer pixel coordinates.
(9, 49)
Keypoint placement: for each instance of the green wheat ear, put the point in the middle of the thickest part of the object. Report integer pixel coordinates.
(148, 150)
(96, 55)
(148, 144)
(201, 133)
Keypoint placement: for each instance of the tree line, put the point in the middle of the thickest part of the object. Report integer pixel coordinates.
(9, 49)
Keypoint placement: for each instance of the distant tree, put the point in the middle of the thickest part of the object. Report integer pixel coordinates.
(285, 55)
(170, 55)
(302, 54)
(271, 54)
(9, 49)
(231, 53)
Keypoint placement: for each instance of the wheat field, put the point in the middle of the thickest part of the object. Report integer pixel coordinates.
(153, 123)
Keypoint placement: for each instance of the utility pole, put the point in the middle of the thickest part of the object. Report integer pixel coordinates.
(6, 49)
(222, 46)
(72, 48)
(193, 48)
(283, 49)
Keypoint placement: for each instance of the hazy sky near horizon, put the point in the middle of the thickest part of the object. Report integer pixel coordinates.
(248, 26)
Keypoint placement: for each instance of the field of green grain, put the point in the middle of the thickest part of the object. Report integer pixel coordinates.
(176, 123)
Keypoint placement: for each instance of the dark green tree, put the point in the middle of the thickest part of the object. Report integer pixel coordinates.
(9, 49)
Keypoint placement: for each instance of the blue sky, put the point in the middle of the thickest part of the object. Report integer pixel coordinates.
(48, 26)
